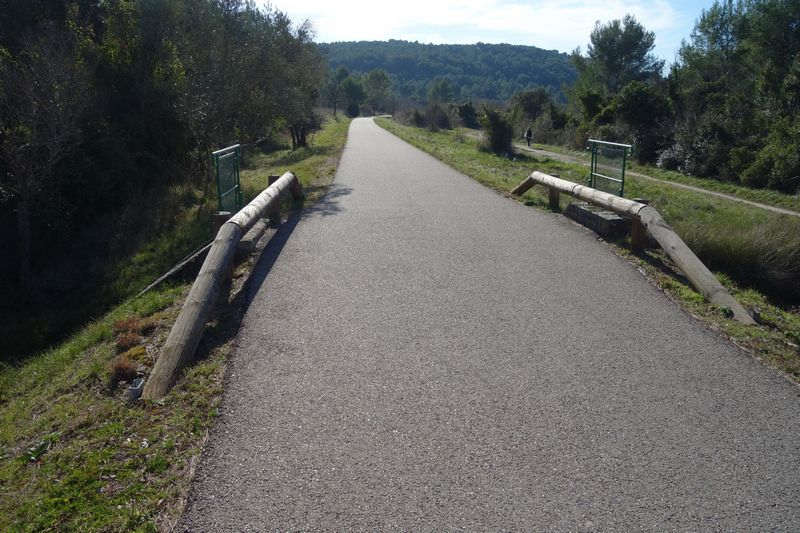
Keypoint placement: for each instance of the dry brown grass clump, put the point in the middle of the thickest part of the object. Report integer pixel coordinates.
(122, 369)
(140, 326)
(127, 340)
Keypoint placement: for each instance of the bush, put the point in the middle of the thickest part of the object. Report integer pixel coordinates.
(367, 110)
(411, 117)
(418, 119)
(352, 109)
(777, 164)
(468, 115)
(498, 132)
(437, 118)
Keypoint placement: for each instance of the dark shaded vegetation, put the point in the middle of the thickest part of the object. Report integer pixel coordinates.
(498, 132)
(477, 71)
(108, 113)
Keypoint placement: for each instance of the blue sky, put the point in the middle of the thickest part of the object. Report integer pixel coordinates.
(550, 24)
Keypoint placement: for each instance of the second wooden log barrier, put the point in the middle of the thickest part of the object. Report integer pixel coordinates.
(698, 274)
(185, 334)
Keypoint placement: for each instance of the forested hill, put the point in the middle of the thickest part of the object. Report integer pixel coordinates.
(484, 71)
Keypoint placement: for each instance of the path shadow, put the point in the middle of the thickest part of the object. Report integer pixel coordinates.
(663, 267)
(269, 255)
(230, 312)
(329, 203)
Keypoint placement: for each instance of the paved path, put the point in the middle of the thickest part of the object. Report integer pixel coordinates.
(425, 354)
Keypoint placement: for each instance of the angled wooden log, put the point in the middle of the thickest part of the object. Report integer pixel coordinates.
(185, 335)
(698, 274)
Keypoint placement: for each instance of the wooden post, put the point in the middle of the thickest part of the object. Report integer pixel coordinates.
(274, 214)
(188, 328)
(638, 235)
(218, 219)
(552, 196)
(523, 187)
(700, 276)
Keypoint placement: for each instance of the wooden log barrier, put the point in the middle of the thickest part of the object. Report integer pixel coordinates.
(185, 335)
(700, 277)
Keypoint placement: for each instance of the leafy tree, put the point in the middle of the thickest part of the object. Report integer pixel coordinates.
(617, 80)
(530, 104)
(44, 95)
(333, 88)
(646, 111)
(104, 106)
(621, 52)
(354, 95)
(468, 115)
(441, 91)
(377, 88)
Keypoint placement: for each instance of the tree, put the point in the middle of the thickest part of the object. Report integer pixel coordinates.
(441, 91)
(530, 104)
(713, 87)
(377, 89)
(333, 88)
(468, 115)
(619, 55)
(44, 95)
(620, 52)
(353, 95)
(647, 113)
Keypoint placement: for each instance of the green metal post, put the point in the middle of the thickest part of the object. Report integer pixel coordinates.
(622, 185)
(216, 178)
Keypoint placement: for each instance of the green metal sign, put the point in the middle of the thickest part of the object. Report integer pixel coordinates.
(226, 168)
(607, 170)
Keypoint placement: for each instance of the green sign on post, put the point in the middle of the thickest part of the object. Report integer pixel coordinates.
(607, 170)
(226, 168)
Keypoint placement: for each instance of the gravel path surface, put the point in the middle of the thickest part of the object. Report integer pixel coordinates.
(423, 353)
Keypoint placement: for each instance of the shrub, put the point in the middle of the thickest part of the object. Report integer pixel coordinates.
(352, 109)
(122, 369)
(437, 118)
(127, 340)
(468, 115)
(497, 132)
(138, 354)
(141, 326)
(418, 119)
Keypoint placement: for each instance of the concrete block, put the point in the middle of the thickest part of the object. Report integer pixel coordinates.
(606, 223)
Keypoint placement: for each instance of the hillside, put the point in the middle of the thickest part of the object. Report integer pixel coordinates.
(482, 71)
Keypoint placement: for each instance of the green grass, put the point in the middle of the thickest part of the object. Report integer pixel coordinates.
(72, 452)
(314, 165)
(763, 196)
(74, 455)
(756, 253)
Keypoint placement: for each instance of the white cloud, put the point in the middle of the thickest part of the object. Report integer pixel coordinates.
(550, 24)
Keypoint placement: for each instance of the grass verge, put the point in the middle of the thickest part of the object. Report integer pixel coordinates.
(74, 454)
(763, 196)
(756, 253)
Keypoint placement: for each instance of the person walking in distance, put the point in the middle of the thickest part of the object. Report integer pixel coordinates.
(528, 135)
